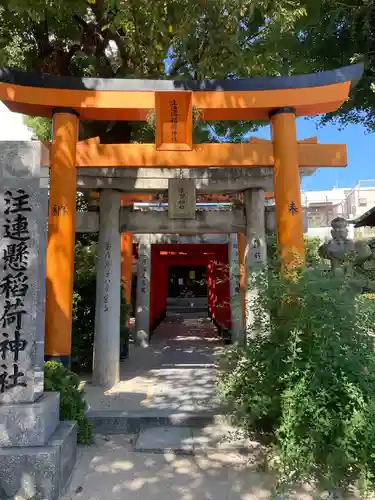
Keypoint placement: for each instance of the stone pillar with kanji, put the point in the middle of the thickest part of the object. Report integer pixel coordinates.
(142, 313)
(35, 447)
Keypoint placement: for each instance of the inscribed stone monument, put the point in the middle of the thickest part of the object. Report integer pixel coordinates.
(37, 452)
(23, 229)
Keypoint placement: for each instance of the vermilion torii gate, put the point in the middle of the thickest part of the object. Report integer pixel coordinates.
(68, 100)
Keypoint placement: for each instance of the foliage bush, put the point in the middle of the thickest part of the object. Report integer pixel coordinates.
(84, 303)
(125, 312)
(307, 380)
(57, 378)
(311, 251)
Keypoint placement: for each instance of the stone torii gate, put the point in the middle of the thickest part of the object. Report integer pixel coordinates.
(67, 100)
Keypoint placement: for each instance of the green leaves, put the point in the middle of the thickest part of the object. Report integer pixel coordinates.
(141, 39)
(57, 378)
(337, 33)
(309, 381)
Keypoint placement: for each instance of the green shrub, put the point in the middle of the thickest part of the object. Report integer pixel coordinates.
(57, 378)
(84, 297)
(311, 251)
(308, 381)
(125, 312)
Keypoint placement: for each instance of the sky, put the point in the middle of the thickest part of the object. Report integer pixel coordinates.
(361, 154)
(360, 145)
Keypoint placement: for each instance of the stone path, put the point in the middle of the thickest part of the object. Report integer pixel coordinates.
(112, 469)
(187, 440)
(176, 373)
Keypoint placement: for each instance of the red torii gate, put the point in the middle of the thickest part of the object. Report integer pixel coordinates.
(68, 100)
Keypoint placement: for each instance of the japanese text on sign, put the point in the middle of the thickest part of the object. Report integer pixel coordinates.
(173, 112)
(14, 287)
(143, 261)
(293, 209)
(181, 199)
(59, 210)
(107, 275)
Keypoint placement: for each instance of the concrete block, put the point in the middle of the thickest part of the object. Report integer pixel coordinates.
(41, 472)
(221, 437)
(65, 438)
(29, 424)
(161, 439)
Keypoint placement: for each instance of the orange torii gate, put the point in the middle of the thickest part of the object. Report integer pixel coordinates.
(68, 100)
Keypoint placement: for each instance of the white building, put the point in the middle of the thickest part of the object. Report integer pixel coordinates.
(350, 203)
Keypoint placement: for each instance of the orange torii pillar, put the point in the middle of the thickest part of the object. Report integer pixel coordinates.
(61, 236)
(289, 214)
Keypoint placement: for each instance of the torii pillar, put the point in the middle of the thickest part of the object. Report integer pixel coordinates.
(289, 214)
(61, 236)
(126, 265)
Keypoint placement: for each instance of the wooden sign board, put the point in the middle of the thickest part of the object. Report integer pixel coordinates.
(174, 121)
(181, 199)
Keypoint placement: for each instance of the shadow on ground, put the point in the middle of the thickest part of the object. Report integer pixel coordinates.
(177, 372)
(110, 469)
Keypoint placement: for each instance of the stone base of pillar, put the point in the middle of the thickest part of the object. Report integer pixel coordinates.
(37, 452)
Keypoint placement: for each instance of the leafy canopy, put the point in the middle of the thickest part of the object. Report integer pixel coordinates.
(336, 33)
(142, 39)
(192, 39)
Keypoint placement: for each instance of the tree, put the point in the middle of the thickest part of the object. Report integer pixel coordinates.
(141, 39)
(336, 33)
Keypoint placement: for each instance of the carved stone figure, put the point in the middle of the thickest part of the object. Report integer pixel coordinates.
(343, 252)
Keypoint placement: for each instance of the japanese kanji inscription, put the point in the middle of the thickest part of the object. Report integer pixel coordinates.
(23, 225)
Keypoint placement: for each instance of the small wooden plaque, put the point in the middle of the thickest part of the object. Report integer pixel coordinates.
(174, 121)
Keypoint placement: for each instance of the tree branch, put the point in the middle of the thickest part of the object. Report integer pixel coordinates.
(138, 41)
(345, 5)
(79, 21)
(177, 65)
(98, 10)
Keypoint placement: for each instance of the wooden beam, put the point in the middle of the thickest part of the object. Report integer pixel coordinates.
(133, 105)
(308, 140)
(204, 155)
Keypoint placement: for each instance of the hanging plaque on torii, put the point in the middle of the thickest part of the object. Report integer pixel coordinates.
(181, 199)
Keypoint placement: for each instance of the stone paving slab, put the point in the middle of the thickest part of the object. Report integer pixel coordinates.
(222, 438)
(177, 372)
(192, 440)
(163, 439)
(111, 469)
